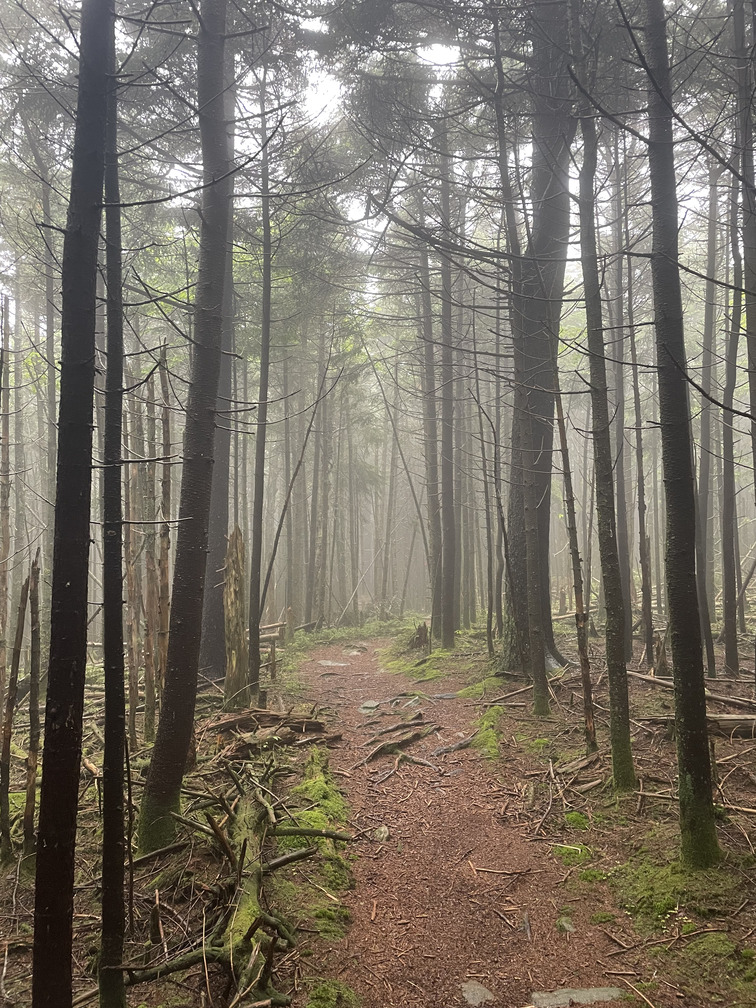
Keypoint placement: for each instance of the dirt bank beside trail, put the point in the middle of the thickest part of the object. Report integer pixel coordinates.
(462, 903)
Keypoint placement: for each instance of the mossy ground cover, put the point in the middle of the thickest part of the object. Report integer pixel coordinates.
(310, 891)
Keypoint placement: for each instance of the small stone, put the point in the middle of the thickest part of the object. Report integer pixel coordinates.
(475, 993)
(575, 996)
(381, 834)
(368, 706)
(565, 925)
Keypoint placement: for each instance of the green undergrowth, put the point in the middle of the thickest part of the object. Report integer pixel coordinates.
(372, 628)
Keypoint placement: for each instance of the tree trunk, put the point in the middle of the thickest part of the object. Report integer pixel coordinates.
(261, 430)
(698, 833)
(447, 502)
(729, 515)
(10, 707)
(111, 978)
(34, 668)
(619, 712)
(53, 908)
(581, 615)
(163, 786)
(708, 371)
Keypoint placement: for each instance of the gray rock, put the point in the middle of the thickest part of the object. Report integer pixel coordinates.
(572, 995)
(475, 993)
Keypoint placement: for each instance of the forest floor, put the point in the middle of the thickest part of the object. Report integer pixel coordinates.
(499, 869)
(507, 872)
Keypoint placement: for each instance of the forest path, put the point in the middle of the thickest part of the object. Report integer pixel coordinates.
(458, 906)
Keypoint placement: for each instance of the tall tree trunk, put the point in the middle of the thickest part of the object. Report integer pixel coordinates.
(620, 451)
(34, 668)
(581, 614)
(729, 515)
(111, 978)
(698, 834)
(448, 516)
(213, 646)
(430, 441)
(261, 430)
(53, 907)
(163, 786)
(164, 557)
(5, 488)
(708, 366)
(152, 584)
(619, 712)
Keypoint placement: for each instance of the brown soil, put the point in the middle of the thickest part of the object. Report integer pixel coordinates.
(467, 886)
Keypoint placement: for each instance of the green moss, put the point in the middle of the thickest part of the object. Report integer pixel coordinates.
(423, 669)
(311, 899)
(602, 917)
(331, 920)
(571, 855)
(537, 745)
(336, 872)
(576, 820)
(487, 738)
(247, 912)
(651, 891)
(592, 875)
(317, 788)
(331, 994)
(478, 690)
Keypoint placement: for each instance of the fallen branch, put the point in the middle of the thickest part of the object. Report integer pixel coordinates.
(462, 744)
(286, 859)
(306, 831)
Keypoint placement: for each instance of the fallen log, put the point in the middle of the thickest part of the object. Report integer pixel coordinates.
(734, 701)
(728, 725)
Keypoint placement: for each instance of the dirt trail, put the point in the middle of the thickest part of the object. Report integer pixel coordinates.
(459, 893)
